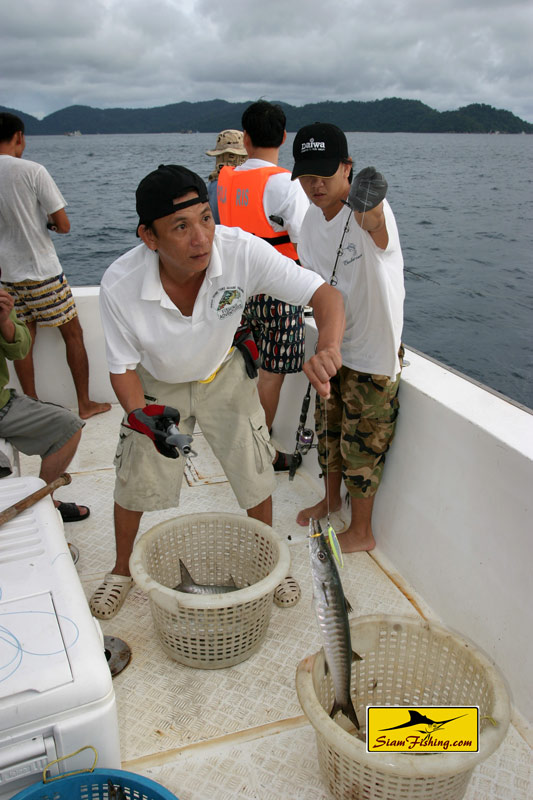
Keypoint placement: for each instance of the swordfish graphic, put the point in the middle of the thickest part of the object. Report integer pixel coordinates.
(419, 719)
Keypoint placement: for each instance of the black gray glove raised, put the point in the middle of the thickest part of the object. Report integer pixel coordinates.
(367, 191)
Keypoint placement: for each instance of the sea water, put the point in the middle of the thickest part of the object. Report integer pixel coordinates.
(463, 204)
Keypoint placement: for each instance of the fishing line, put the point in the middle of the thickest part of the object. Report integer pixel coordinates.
(332, 536)
(326, 469)
(333, 282)
(420, 275)
(11, 640)
(307, 396)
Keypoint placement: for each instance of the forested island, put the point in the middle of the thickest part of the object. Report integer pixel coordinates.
(391, 115)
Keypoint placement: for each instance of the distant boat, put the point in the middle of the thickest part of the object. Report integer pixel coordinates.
(72, 133)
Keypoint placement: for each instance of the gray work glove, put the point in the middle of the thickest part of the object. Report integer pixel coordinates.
(367, 191)
(153, 420)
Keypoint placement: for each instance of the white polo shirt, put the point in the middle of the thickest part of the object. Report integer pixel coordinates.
(143, 326)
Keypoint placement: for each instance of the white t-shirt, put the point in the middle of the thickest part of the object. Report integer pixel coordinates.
(28, 195)
(370, 280)
(282, 197)
(143, 326)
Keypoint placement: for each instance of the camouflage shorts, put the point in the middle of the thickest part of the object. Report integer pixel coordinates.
(361, 418)
(279, 332)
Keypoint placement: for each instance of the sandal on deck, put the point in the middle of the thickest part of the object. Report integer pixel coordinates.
(284, 460)
(109, 597)
(287, 593)
(70, 512)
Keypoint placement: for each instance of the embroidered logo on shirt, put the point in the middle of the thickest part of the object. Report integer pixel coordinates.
(227, 302)
(350, 254)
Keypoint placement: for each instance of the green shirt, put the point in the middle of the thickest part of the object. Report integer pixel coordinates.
(11, 351)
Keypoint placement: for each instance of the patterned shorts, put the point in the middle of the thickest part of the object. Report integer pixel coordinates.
(279, 333)
(47, 302)
(361, 418)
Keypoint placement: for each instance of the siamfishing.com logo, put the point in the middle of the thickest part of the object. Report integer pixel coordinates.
(431, 729)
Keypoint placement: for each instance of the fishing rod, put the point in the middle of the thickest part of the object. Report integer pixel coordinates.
(304, 436)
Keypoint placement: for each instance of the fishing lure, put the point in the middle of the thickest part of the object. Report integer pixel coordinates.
(335, 546)
(315, 530)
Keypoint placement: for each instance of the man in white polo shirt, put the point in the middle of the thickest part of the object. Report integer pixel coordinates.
(170, 309)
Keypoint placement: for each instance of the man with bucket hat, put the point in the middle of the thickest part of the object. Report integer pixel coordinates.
(349, 237)
(170, 309)
(229, 152)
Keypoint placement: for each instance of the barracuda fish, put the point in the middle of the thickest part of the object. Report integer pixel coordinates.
(189, 585)
(332, 610)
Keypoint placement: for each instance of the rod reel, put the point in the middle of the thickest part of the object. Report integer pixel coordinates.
(304, 436)
(305, 441)
(180, 440)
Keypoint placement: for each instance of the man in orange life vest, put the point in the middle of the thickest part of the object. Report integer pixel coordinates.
(259, 197)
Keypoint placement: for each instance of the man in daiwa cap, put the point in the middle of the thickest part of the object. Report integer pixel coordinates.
(349, 237)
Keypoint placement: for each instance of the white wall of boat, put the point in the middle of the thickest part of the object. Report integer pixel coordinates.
(453, 517)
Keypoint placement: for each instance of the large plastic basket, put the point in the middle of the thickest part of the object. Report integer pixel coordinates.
(93, 786)
(210, 631)
(405, 662)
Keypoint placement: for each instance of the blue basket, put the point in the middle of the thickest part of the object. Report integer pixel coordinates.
(92, 785)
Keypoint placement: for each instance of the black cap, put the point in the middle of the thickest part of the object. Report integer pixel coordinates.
(157, 192)
(318, 149)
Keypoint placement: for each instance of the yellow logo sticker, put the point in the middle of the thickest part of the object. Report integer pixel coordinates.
(428, 729)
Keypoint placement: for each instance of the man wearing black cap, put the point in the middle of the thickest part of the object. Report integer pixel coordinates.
(170, 308)
(349, 237)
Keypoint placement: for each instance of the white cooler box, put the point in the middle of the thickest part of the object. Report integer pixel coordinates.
(56, 693)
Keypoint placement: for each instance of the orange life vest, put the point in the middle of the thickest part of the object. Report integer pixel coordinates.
(240, 204)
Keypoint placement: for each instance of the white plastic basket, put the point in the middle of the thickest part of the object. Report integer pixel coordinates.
(405, 662)
(210, 631)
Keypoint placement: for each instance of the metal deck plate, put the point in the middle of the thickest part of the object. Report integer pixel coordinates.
(238, 732)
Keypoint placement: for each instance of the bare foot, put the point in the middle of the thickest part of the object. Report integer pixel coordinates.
(317, 511)
(356, 541)
(92, 408)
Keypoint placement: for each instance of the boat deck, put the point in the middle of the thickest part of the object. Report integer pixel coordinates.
(237, 732)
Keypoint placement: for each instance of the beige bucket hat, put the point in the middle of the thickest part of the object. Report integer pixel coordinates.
(228, 141)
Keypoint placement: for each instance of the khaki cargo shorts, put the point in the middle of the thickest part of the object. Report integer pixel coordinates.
(232, 420)
(361, 419)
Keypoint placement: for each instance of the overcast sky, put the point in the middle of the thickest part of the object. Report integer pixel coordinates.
(142, 53)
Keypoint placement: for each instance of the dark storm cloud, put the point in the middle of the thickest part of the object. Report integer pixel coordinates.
(447, 53)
